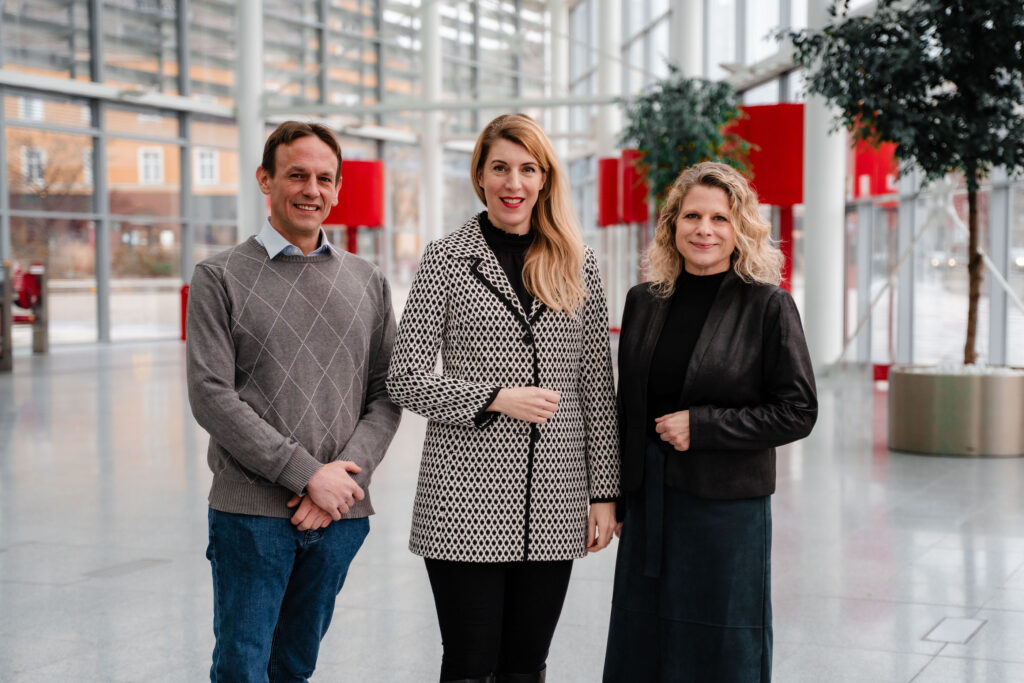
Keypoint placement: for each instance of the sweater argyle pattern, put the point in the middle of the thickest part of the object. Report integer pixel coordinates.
(492, 488)
(287, 360)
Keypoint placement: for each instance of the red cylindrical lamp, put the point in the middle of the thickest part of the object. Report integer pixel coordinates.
(361, 199)
(633, 197)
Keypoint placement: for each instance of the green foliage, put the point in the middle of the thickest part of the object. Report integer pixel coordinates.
(678, 122)
(940, 78)
(943, 79)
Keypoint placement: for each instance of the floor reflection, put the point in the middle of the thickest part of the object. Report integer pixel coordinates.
(103, 482)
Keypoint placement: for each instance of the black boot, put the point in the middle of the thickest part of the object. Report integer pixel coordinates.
(489, 678)
(535, 677)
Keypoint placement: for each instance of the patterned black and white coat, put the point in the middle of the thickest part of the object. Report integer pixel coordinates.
(492, 488)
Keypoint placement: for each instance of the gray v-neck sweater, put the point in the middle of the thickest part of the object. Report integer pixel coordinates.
(287, 360)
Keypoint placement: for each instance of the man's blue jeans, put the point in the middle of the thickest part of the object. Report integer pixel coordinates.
(273, 593)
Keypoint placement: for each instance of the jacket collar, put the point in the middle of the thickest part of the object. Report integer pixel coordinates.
(468, 243)
(655, 322)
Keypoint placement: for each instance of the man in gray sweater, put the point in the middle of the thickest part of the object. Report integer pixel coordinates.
(289, 342)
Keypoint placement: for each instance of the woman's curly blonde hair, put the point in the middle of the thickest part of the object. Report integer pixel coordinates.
(755, 258)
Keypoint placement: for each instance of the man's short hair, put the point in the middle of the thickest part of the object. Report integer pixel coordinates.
(290, 131)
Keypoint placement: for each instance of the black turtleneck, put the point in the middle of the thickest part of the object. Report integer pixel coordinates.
(510, 249)
(688, 309)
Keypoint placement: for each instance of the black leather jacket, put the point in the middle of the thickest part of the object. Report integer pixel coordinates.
(749, 388)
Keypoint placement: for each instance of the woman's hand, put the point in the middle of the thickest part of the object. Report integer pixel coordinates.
(675, 429)
(529, 404)
(600, 526)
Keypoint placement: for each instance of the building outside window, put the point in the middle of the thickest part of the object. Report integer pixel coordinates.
(207, 171)
(151, 166)
(87, 166)
(31, 109)
(33, 162)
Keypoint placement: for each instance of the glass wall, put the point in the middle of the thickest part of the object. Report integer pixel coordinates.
(721, 45)
(165, 180)
(938, 280)
(645, 43)
(583, 63)
(57, 182)
(215, 184)
(50, 194)
(47, 37)
(212, 50)
(140, 44)
(761, 22)
(1015, 316)
(940, 276)
(403, 165)
(143, 182)
(161, 184)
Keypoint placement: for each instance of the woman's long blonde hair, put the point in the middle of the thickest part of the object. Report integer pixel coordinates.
(553, 266)
(755, 258)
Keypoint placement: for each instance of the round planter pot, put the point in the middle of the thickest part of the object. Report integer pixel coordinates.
(942, 413)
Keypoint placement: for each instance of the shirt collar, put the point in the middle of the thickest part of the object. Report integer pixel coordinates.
(275, 243)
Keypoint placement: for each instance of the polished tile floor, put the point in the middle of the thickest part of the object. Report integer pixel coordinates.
(103, 482)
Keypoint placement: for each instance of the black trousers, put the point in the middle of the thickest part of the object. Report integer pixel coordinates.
(496, 617)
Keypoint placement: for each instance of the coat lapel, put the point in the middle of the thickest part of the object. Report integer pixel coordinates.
(468, 242)
(649, 338)
(725, 300)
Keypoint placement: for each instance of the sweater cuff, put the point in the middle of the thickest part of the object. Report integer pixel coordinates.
(298, 471)
(483, 417)
(605, 499)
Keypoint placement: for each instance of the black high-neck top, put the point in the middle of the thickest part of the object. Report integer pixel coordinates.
(510, 250)
(691, 302)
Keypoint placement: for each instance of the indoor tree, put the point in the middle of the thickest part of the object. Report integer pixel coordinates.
(942, 79)
(678, 122)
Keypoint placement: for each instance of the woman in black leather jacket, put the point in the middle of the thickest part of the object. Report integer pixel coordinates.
(714, 375)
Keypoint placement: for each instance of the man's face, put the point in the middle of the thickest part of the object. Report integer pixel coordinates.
(302, 189)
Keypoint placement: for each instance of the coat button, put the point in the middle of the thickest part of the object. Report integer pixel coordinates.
(528, 338)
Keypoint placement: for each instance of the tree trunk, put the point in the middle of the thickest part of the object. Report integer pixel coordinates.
(975, 272)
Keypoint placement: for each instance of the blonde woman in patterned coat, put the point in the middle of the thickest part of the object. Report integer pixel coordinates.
(520, 462)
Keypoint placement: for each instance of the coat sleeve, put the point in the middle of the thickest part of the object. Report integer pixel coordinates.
(380, 417)
(210, 366)
(597, 390)
(624, 370)
(413, 380)
(790, 405)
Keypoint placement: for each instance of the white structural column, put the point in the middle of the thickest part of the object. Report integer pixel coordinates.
(609, 74)
(613, 246)
(251, 127)
(824, 208)
(432, 175)
(687, 30)
(559, 10)
(999, 212)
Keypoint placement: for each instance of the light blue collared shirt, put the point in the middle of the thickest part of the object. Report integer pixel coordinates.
(275, 243)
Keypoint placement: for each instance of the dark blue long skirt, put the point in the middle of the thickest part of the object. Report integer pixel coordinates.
(692, 596)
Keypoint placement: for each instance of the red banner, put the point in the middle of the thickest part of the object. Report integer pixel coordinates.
(633, 197)
(874, 169)
(777, 160)
(361, 200)
(607, 192)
